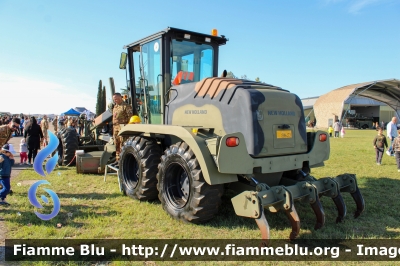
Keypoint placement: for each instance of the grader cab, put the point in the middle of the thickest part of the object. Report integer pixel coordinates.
(202, 134)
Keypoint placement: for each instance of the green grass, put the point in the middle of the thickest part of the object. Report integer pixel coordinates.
(99, 210)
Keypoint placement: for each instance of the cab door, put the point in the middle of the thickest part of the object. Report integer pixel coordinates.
(147, 65)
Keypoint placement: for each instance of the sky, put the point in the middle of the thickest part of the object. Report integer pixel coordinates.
(53, 53)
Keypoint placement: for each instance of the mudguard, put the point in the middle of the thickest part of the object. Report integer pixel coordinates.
(196, 141)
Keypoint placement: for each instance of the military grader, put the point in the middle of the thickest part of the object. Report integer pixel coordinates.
(202, 134)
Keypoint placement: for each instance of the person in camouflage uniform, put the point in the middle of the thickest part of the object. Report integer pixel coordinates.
(122, 112)
(55, 123)
(44, 124)
(7, 130)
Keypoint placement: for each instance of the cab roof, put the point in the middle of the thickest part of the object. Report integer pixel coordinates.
(179, 34)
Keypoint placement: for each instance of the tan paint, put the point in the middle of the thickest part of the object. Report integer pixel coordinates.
(180, 118)
(213, 86)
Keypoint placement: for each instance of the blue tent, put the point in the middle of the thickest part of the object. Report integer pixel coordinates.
(72, 112)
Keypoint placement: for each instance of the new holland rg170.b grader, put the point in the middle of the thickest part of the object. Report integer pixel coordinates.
(201, 133)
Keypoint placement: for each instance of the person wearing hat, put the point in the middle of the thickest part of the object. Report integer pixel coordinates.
(7, 130)
(6, 162)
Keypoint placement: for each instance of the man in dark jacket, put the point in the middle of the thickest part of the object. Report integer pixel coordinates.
(6, 163)
(33, 137)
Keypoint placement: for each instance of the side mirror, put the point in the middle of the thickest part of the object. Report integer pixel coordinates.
(122, 62)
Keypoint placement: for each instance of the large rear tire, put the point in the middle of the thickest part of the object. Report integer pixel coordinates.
(69, 143)
(183, 192)
(138, 164)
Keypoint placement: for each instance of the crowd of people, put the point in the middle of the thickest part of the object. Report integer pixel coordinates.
(34, 137)
(380, 141)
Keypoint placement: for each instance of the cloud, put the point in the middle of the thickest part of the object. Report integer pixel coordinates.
(355, 6)
(34, 96)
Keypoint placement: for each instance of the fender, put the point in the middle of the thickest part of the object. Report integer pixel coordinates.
(197, 142)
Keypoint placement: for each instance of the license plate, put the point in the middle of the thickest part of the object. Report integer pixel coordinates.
(283, 134)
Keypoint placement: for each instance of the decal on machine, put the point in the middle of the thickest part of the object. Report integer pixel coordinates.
(195, 112)
(284, 113)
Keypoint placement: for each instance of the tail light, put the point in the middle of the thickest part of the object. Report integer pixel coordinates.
(232, 141)
(323, 137)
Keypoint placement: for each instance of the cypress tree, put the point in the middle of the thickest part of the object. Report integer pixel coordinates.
(104, 99)
(99, 99)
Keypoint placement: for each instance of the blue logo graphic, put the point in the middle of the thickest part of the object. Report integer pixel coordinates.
(42, 155)
(35, 202)
(38, 167)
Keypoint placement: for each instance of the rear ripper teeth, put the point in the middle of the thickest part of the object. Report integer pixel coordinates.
(279, 198)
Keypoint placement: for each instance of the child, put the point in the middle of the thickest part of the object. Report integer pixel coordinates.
(330, 130)
(380, 143)
(23, 152)
(342, 132)
(396, 149)
(6, 162)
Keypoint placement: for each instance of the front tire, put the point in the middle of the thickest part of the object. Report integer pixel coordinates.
(183, 192)
(138, 163)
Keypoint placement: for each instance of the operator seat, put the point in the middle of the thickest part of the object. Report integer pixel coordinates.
(183, 77)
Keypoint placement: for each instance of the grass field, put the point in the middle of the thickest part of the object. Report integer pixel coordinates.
(91, 208)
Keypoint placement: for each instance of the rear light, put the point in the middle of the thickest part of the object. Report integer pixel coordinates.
(323, 137)
(232, 141)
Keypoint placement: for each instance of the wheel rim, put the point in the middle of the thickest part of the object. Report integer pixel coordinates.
(130, 171)
(177, 185)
